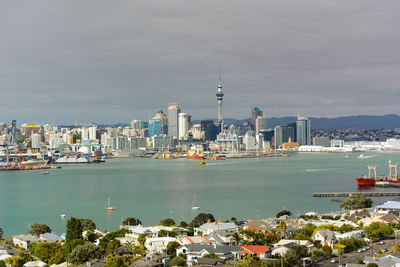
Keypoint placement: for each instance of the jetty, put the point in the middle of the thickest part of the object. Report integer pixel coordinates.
(347, 194)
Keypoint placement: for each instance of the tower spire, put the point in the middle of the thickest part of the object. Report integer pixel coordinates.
(220, 95)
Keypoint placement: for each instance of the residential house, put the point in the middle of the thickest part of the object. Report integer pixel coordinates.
(195, 252)
(153, 260)
(384, 261)
(258, 251)
(212, 227)
(306, 243)
(35, 264)
(51, 238)
(210, 262)
(23, 241)
(158, 244)
(326, 237)
(356, 234)
(200, 240)
(93, 263)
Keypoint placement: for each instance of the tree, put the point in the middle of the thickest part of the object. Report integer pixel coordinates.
(1, 233)
(107, 241)
(201, 219)
(378, 230)
(360, 261)
(177, 261)
(72, 244)
(19, 260)
(283, 212)
(21, 138)
(372, 265)
(163, 233)
(87, 224)
(356, 202)
(142, 239)
(85, 253)
(50, 253)
(131, 221)
(2, 263)
(167, 222)
(171, 248)
(74, 229)
(327, 250)
(38, 229)
(183, 224)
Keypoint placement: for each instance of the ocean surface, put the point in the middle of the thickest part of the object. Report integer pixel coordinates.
(152, 190)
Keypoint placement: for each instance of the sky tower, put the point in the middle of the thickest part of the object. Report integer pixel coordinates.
(220, 94)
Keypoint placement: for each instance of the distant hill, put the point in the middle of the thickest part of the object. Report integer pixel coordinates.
(389, 121)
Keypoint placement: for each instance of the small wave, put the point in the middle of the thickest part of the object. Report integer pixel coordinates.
(318, 170)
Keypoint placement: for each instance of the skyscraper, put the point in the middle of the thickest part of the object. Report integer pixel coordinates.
(183, 125)
(255, 112)
(282, 135)
(163, 120)
(261, 123)
(154, 127)
(303, 130)
(220, 95)
(173, 111)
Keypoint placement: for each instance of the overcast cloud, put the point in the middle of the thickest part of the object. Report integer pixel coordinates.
(113, 61)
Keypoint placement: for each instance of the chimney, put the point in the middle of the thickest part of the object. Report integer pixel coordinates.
(209, 221)
(216, 222)
(215, 245)
(220, 221)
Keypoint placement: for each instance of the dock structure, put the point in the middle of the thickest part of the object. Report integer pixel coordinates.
(346, 194)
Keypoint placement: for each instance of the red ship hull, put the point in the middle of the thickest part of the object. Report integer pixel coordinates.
(365, 182)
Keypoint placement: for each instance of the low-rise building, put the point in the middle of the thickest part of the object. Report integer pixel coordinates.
(23, 241)
(259, 251)
(158, 244)
(213, 227)
(195, 252)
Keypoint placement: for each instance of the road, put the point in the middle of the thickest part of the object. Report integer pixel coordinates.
(352, 257)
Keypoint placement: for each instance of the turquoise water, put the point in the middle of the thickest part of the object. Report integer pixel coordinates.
(156, 189)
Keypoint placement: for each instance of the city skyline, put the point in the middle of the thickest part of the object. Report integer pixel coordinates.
(109, 62)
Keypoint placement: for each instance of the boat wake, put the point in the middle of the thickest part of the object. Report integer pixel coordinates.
(319, 170)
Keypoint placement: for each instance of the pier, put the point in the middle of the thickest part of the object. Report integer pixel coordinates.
(346, 194)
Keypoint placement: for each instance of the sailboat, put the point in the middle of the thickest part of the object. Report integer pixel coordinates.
(195, 206)
(109, 208)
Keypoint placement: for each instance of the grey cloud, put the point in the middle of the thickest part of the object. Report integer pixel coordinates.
(112, 61)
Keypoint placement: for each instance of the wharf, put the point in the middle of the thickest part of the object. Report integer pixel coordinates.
(346, 194)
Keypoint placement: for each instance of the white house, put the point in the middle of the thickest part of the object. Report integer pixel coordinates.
(326, 237)
(158, 244)
(23, 241)
(212, 227)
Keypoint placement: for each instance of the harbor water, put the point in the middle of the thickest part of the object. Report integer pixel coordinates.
(152, 190)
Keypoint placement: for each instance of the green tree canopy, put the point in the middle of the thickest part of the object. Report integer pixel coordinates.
(50, 253)
(167, 222)
(183, 224)
(177, 261)
(74, 229)
(87, 224)
(372, 265)
(131, 221)
(85, 253)
(1, 233)
(283, 212)
(356, 202)
(19, 260)
(70, 245)
(171, 248)
(38, 229)
(201, 219)
(378, 230)
(2, 263)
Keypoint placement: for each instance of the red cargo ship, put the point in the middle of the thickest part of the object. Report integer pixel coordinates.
(371, 181)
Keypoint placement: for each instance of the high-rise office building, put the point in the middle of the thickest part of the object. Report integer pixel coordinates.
(173, 111)
(163, 120)
(136, 124)
(183, 125)
(303, 130)
(154, 127)
(255, 112)
(261, 124)
(282, 135)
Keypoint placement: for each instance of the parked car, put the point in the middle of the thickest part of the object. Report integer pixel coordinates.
(381, 242)
(334, 260)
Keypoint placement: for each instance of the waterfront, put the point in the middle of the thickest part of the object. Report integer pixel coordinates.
(155, 189)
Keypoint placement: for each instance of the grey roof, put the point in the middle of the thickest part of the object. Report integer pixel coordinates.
(328, 234)
(94, 263)
(210, 262)
(386, 261)
(51, 236)
(218, 239)
(218, 249)
(144, 263)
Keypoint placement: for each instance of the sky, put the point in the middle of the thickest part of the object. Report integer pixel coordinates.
(105, 61)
